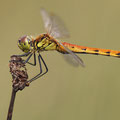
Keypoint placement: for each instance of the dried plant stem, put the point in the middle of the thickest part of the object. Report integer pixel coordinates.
(19, 80)
(10, 110)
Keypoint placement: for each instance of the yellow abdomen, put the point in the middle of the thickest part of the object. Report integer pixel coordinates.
(89, 50)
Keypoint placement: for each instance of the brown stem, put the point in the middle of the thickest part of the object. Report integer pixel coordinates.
(19, 80)
(10, 110)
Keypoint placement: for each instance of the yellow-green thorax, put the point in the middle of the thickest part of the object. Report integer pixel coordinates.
(44, 43)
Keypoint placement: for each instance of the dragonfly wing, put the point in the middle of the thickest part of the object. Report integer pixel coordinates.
(56, 28)
(76, 60)
(69, 59)
(54, 25)
(46, 19)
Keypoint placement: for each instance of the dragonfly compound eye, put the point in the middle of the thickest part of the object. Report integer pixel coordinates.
(24, 43)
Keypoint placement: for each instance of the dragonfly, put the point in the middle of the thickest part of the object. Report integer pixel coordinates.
(55, 29)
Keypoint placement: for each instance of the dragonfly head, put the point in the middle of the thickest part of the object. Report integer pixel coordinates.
(25, 43)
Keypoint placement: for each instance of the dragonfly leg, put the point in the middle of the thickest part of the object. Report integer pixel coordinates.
(23, 55)
(33, 64)
(30, 55)
(40, 74)
(26, 61)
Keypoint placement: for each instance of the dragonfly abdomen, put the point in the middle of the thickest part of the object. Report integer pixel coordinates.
(89, 50)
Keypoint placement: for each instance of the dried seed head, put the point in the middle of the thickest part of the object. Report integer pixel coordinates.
(18, 72)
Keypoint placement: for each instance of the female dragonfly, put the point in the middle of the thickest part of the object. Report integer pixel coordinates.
(55, 29)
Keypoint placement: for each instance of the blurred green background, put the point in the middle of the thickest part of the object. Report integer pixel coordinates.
(65, 92)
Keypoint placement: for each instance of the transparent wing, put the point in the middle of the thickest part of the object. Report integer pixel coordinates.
(46, 19)
(72, 57)
(69, 59)
(56, 28)
(54, 25)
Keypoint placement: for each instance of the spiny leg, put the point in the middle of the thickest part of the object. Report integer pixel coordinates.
(26, 61)
(33, 64)
(41, 67)
(40, 74)
(23, 55)
(34, 78)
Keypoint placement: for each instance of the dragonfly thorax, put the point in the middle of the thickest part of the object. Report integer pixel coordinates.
(25, 43)
(44, 42)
